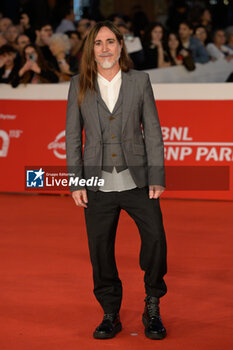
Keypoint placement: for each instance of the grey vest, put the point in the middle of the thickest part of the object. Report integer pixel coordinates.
(111, 125)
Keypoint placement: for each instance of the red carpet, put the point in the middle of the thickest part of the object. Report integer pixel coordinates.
(46, 282)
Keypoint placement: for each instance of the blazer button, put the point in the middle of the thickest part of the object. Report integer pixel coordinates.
(114, 155)
(111, 118)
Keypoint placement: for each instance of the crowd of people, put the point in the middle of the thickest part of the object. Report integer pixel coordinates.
(43, 54)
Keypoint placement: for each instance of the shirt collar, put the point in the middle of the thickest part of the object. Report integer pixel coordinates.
(106, 82)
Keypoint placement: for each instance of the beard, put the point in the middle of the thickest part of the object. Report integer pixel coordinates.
(106, 64)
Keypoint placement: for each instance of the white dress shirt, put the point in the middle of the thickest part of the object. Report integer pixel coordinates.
(114, 181)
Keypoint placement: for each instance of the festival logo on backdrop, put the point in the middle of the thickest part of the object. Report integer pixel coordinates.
(58, 146)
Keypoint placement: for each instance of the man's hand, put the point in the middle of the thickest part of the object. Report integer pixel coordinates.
(80, 198)
(155, 191)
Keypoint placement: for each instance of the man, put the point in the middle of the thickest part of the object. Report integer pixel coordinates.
(114, 104)
(4, 24)
(44, 31)
(11, 35)
(199, 53)
(67, 22)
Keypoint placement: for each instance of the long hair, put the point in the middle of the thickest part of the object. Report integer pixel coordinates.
(88, 71)
(167, 49)
(26, 78)
(147, 37)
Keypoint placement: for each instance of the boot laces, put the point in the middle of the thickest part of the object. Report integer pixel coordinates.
(109, 317)
(152, 307)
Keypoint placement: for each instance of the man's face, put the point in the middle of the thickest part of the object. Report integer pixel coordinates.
(45, 33)
(4, 24)
(107, 49)
(11, 34)
(24, 19)
(23, 40)
(184, 31)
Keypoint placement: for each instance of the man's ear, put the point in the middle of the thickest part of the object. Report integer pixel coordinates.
(37, 33)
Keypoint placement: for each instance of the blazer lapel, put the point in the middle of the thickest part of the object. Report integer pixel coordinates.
(127, 97)
(119, 100)
(99, 98)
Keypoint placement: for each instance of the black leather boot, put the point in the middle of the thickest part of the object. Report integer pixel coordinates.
(154, 328)
(108, 328)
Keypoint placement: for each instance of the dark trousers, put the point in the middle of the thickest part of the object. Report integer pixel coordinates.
(102, 217)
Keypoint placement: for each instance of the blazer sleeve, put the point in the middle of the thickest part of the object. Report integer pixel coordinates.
(74, 141)
(152, 137)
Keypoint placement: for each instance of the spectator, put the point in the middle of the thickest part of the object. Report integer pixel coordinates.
(43, 34)
(175, 54)
(66, 64)
(206, 20)
(217, 49)
(200, 32)
(83, 26)
(133, 46)
(76, 45)
(199, 53)
(67, 23)
(34, 68)
(9, 64)
(26, 26)
(154, 39)
(3, 40)
(4, 24)
(11, 35)
(21, 42)
(139, 23)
